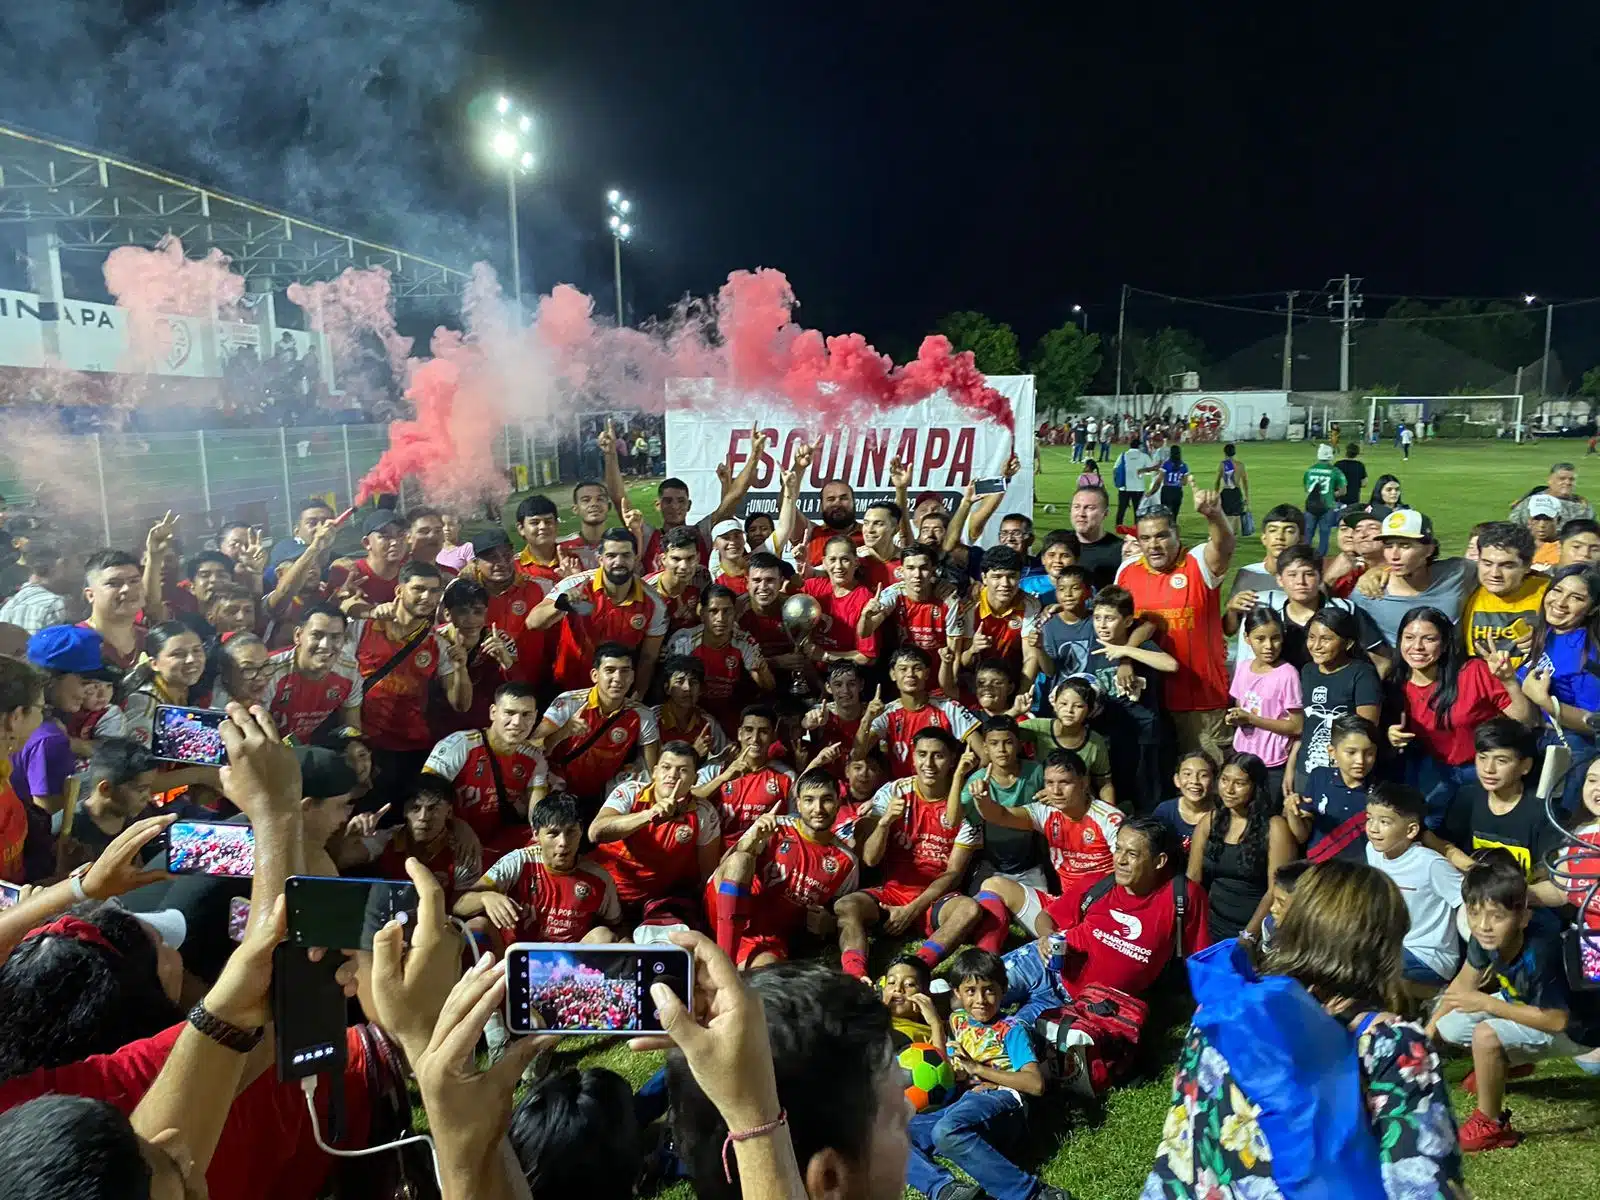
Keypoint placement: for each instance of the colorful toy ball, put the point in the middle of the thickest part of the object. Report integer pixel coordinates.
(930, 1079)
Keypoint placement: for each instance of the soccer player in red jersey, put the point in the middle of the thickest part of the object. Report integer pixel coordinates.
(611, 604)
(512, 599)
(656, 840)
(114, 588)
(490, 656)
(306, 684)
(498, 773)
(376, 575)
(862, 779)
(410, 654)
(726, 651)
(732, 556)
(546, 892)
(878, 558)
(299, 586)
(750, 784)
(837, 720)
(1080, 832)
(782, 877)
(842, 598)
(591, 505)
(679, 579)
(923, 861)
(1005, 618)
(591, 735)
(837, 503)
(897, 725)
(918, 614)
(679, 717)
(761, 613)
(539, 523)
(439, 841)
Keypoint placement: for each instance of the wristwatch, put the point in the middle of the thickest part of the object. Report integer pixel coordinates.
(229, 1037)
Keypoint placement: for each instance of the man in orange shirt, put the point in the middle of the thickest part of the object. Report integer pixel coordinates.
(1178, 592)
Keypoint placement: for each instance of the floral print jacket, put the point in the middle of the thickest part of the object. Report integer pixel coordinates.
(1212, 1147)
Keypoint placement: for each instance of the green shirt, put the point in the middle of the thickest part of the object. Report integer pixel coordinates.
(1095, 756)
(1327, 479)
(1030, 780)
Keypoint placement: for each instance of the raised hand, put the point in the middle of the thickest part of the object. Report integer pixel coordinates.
(899, 474)
(1536, 687)
(455, 649)
(262, 777)
(117, 872)
(815, 718)
(569, 562)
(828, 755)
(500, 648)
(758, 442)
(365, 825)
(253, 558)
(968, 763)
(1207, 503)
(704, 742)
(606, 439)
(1500, 666)
(1242, 602)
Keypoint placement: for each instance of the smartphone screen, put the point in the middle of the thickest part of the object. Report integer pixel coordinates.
(10, 893)
(308, 1010)
(188, 735)
(211, 848)
(590, 989)
(238, 917)
(343, 914)
(988, 487)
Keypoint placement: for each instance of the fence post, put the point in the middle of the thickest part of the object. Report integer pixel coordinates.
(349, 479)
(100, 474)
(205, 471)
(283, 457)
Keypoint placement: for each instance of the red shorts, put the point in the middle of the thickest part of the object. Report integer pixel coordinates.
(747, 946)
(894, 895)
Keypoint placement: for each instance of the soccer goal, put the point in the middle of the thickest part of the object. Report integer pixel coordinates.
(1432, 407)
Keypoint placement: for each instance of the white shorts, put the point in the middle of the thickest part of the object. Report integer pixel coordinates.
(1522, 1043)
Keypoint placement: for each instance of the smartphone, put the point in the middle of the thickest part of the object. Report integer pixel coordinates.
(308, 1012)
(210, 848)
(188, 735)
(10, 893)
(238, 917)
(343, 914)
(988, 487)
(567, 988)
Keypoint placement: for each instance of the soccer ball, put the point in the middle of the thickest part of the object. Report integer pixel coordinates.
(930, 1079)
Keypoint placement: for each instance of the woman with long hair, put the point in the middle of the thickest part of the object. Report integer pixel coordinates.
(1298, 1068)
(1437, 696)
(1386, 491)
(1237, 849)
(170, 676)
(490, 656)
(21, 711)
(1561, 675)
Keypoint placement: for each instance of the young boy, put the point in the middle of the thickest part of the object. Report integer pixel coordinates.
(837, 720)
(1508, 603)
(995, 1060)
(1010, 782)
(1284, 880)
(679, 716)
(1330, 819)
(904, 990)
(1430, 886)
(1129, 677)
(1500, 809)
(544, 892)
(1060, 551)
(1282, 527)
(1068, 634)
(994, 691)
(1080, 833)
(116, 790)
(1509, 1002)
(1543, 514)
(897, 725)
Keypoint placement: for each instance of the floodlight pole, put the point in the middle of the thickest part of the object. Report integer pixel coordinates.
(1122, 320)
(1544, 364)
(616, 266)
(516, 253)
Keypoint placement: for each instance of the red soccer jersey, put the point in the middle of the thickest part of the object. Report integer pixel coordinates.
(1006, 630)
(374, 587)
(463, 758)
(1081, 848)
(662, 858)
(920, 844)
(508, 612)
(821, 535)
(794, 874)
(740, 801)
(654, 556)
(926, 624)
(285, 615)
(837, 629)
(873, 572)
(299, 704)
(530, 567)
(734, 583)
(838, 729)
(1183, 605)
(683, 610)
(588, 556)
(113, 657)
(555, 908)
(394, 714)
(673, 730)
(456, 862)
(725, 667)
(597, 618)
(766, 632)
(897, 727)
(589, 774)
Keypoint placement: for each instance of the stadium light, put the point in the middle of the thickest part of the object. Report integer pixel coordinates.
(621, 231)
(1528, 297)
(1079, 310)
(509, 138)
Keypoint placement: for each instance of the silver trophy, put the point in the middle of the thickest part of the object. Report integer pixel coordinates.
(801, 615)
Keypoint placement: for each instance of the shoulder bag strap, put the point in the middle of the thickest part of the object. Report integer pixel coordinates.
(508, 811)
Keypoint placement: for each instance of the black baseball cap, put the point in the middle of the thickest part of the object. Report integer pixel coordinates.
(381, 518)
(490, 539)
(323, 773)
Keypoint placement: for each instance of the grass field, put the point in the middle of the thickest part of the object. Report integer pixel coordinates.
(1104, 1155)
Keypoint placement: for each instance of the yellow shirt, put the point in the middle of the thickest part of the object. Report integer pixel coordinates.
(1493, 622)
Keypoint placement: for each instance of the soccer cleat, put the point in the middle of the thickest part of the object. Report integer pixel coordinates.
(958, 1189)
(1480, 1132)
(1469, 1085)
(1046, 1192)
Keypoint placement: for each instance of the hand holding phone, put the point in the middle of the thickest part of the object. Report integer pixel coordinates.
(566, 988)
(216, 848)
(988, 487)
(188, 735)
(344, 914)
(10, 894)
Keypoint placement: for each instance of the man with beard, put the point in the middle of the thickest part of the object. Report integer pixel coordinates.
(512, 599)
(610, 605)
(425, 538)
(680, 578)
(399, 656)
(838, 513)
(1179, 592)
(1099, 552)
(376, 575)
(114, 588)
(309, 682)
(727, 653)
(781, 876)
(497, 772)
(591, 734)
(753, 782)
(539, 524)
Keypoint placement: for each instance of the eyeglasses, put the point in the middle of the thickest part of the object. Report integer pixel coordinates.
(250, 672)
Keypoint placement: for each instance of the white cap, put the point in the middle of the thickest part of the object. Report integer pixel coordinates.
(1544, 506)
(1324, 453)
(725, 527)
(168, 924)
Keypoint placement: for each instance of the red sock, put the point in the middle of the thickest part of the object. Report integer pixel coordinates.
(730, 897)
(995, 925)
(930, 952)
(854, 963)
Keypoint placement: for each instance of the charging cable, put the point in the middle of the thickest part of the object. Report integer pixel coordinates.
(1561, 862)
(308, 1085)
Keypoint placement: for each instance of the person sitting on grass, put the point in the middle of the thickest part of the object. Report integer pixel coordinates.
(1430, 885)
(1329, 819)
(782, 876)
(905, 992)
(546, 892)
(1284, 881)
(1196, 780)
(997, 1066)
(432, 835)
(1238, 848)
(1509, 1002)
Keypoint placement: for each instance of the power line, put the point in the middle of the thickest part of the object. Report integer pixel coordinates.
(1201, 302)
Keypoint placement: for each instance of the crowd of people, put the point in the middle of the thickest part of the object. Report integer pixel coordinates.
(576, 996)
(1022, 787)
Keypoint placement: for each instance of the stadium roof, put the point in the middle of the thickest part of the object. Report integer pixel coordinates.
(95, 203)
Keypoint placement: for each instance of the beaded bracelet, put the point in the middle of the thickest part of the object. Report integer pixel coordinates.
(747, 1135)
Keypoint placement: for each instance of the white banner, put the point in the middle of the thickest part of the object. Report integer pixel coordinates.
(946, 445)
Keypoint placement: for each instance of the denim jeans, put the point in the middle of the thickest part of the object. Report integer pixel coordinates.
(1436, 781)
(968, 1133)
(1031, 985)
(1320, 526)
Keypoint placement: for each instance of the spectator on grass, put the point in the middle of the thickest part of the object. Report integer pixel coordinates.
(1325, 486)
(1237, 848)
(1316, 1014)
(1580, 543)
(1411, 577)
(1233, 485)
(1561, 674)
(1504, 608)
(1281, 528)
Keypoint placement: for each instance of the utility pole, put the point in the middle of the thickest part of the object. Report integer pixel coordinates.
(1544, 364)
(1122, 320)
(1288, 343)
(1347, 301)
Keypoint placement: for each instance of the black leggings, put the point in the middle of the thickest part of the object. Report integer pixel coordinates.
(1127, 500)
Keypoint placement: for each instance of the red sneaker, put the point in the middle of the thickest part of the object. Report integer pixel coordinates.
(1469, 1085)
(1480, 1133)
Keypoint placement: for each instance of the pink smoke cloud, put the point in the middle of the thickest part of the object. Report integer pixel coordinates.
(153, 285)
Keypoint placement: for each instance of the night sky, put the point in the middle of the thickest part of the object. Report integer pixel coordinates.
(928, 157)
